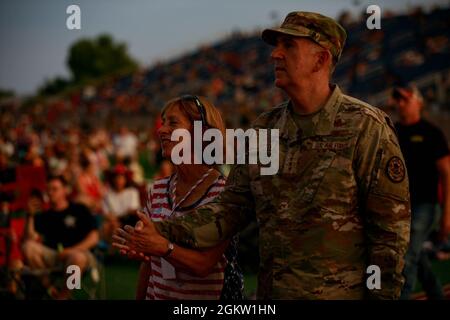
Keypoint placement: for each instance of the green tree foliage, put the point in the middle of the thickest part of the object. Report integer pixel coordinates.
(5, 93)
(53, 86)
(91, 59)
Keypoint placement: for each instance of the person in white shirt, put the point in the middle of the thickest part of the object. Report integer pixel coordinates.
(120, 202)
(125, 143)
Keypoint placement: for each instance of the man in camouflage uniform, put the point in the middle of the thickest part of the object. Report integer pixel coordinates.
(340, 200)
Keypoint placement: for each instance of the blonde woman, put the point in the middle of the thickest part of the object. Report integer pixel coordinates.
(177, 272)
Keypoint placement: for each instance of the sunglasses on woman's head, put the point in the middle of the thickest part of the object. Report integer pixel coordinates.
(198, 103)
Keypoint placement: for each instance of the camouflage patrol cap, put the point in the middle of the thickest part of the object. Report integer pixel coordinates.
(319, 28)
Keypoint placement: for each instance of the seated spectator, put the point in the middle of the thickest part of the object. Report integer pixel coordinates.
(68, 233)
(125, 143)
(7, 171)
(10, 257)
(120, 202)
(136, 170)
(89, 187)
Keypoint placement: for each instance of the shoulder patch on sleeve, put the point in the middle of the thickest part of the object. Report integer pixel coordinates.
(395, 169)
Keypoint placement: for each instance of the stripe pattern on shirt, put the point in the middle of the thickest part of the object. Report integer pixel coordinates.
(186, 286)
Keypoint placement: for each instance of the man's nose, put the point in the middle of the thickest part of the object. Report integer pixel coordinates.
(276, 53)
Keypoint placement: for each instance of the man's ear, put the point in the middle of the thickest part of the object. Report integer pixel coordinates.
(323, 58)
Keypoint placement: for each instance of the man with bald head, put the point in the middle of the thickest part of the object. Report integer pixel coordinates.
(339, 202)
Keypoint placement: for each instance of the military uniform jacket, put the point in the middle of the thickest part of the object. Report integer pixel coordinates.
(338, 204)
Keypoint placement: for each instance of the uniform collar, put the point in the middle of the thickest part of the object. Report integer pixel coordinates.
(324, 119)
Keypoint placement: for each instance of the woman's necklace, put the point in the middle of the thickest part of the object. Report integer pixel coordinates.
(174, 190)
